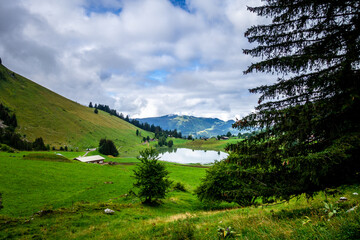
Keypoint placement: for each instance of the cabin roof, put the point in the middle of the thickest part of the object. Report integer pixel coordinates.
(90, 158)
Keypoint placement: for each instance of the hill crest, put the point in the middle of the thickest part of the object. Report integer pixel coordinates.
(59, 121)
(191, 125)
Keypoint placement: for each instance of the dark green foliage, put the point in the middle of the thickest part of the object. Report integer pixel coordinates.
(350, 230)
(7, 134)
(151, 177)
(1, 206)
(96, 111)
(9, 120)
(309, 136)
(107, 147)
(91, 105)
(137, 132)
(170, 143)
(39, 145)
(179, 187)
(6, 148)
(222, 183)
(162, 141)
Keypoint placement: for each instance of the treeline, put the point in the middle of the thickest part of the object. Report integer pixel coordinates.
(9, 137)
(144, 126)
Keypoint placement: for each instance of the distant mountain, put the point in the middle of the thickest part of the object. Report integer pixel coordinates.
(196, 126)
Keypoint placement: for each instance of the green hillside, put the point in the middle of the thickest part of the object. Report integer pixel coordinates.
(60, 121)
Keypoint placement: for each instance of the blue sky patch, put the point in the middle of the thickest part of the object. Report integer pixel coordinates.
(92, 9)
(180, 3)
(93, 6)
(158, 76)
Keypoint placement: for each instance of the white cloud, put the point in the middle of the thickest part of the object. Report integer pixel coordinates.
(83, 52)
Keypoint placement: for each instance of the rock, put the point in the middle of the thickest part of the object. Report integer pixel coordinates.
(355, 193)
(343, 199)
(352, 209)
(109, 211)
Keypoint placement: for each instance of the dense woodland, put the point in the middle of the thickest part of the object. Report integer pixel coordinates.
(309, 119)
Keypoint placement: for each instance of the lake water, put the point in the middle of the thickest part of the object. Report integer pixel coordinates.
(185, 156)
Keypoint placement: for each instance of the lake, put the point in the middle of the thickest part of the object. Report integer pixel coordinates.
(186, 156)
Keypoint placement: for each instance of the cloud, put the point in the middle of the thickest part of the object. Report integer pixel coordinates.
(142, 57)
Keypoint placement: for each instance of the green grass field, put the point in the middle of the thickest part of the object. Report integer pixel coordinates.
(72, 197)
(210, 144)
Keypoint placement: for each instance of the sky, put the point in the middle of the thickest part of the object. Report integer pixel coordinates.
(144, 58)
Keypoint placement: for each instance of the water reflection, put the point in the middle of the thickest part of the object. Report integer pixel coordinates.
(184, 155)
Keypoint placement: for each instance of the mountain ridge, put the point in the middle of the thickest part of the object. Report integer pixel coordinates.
(191, 125)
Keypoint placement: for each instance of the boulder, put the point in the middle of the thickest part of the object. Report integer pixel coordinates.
(109, 211)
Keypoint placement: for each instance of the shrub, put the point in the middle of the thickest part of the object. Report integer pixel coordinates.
(107, 147)
(179, 187)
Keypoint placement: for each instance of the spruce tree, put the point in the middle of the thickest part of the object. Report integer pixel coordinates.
(151, 177)
(310, 134)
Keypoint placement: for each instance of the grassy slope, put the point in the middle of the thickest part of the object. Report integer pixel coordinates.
(60, 121)
(75, 196)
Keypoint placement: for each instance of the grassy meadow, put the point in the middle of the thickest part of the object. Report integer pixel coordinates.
(209, 144)
(62, 122)
(47, 196)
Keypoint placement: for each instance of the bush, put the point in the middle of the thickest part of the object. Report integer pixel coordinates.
(179, 187)
(6, 148)
(39, 144)
(107, 147)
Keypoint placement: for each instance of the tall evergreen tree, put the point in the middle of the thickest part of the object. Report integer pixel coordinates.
(310, 136)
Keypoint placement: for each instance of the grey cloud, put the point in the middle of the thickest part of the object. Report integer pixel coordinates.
(106, 58)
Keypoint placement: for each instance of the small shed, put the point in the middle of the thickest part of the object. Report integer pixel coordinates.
(91, 159)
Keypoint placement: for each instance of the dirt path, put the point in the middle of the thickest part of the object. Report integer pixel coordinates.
(90, 150)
